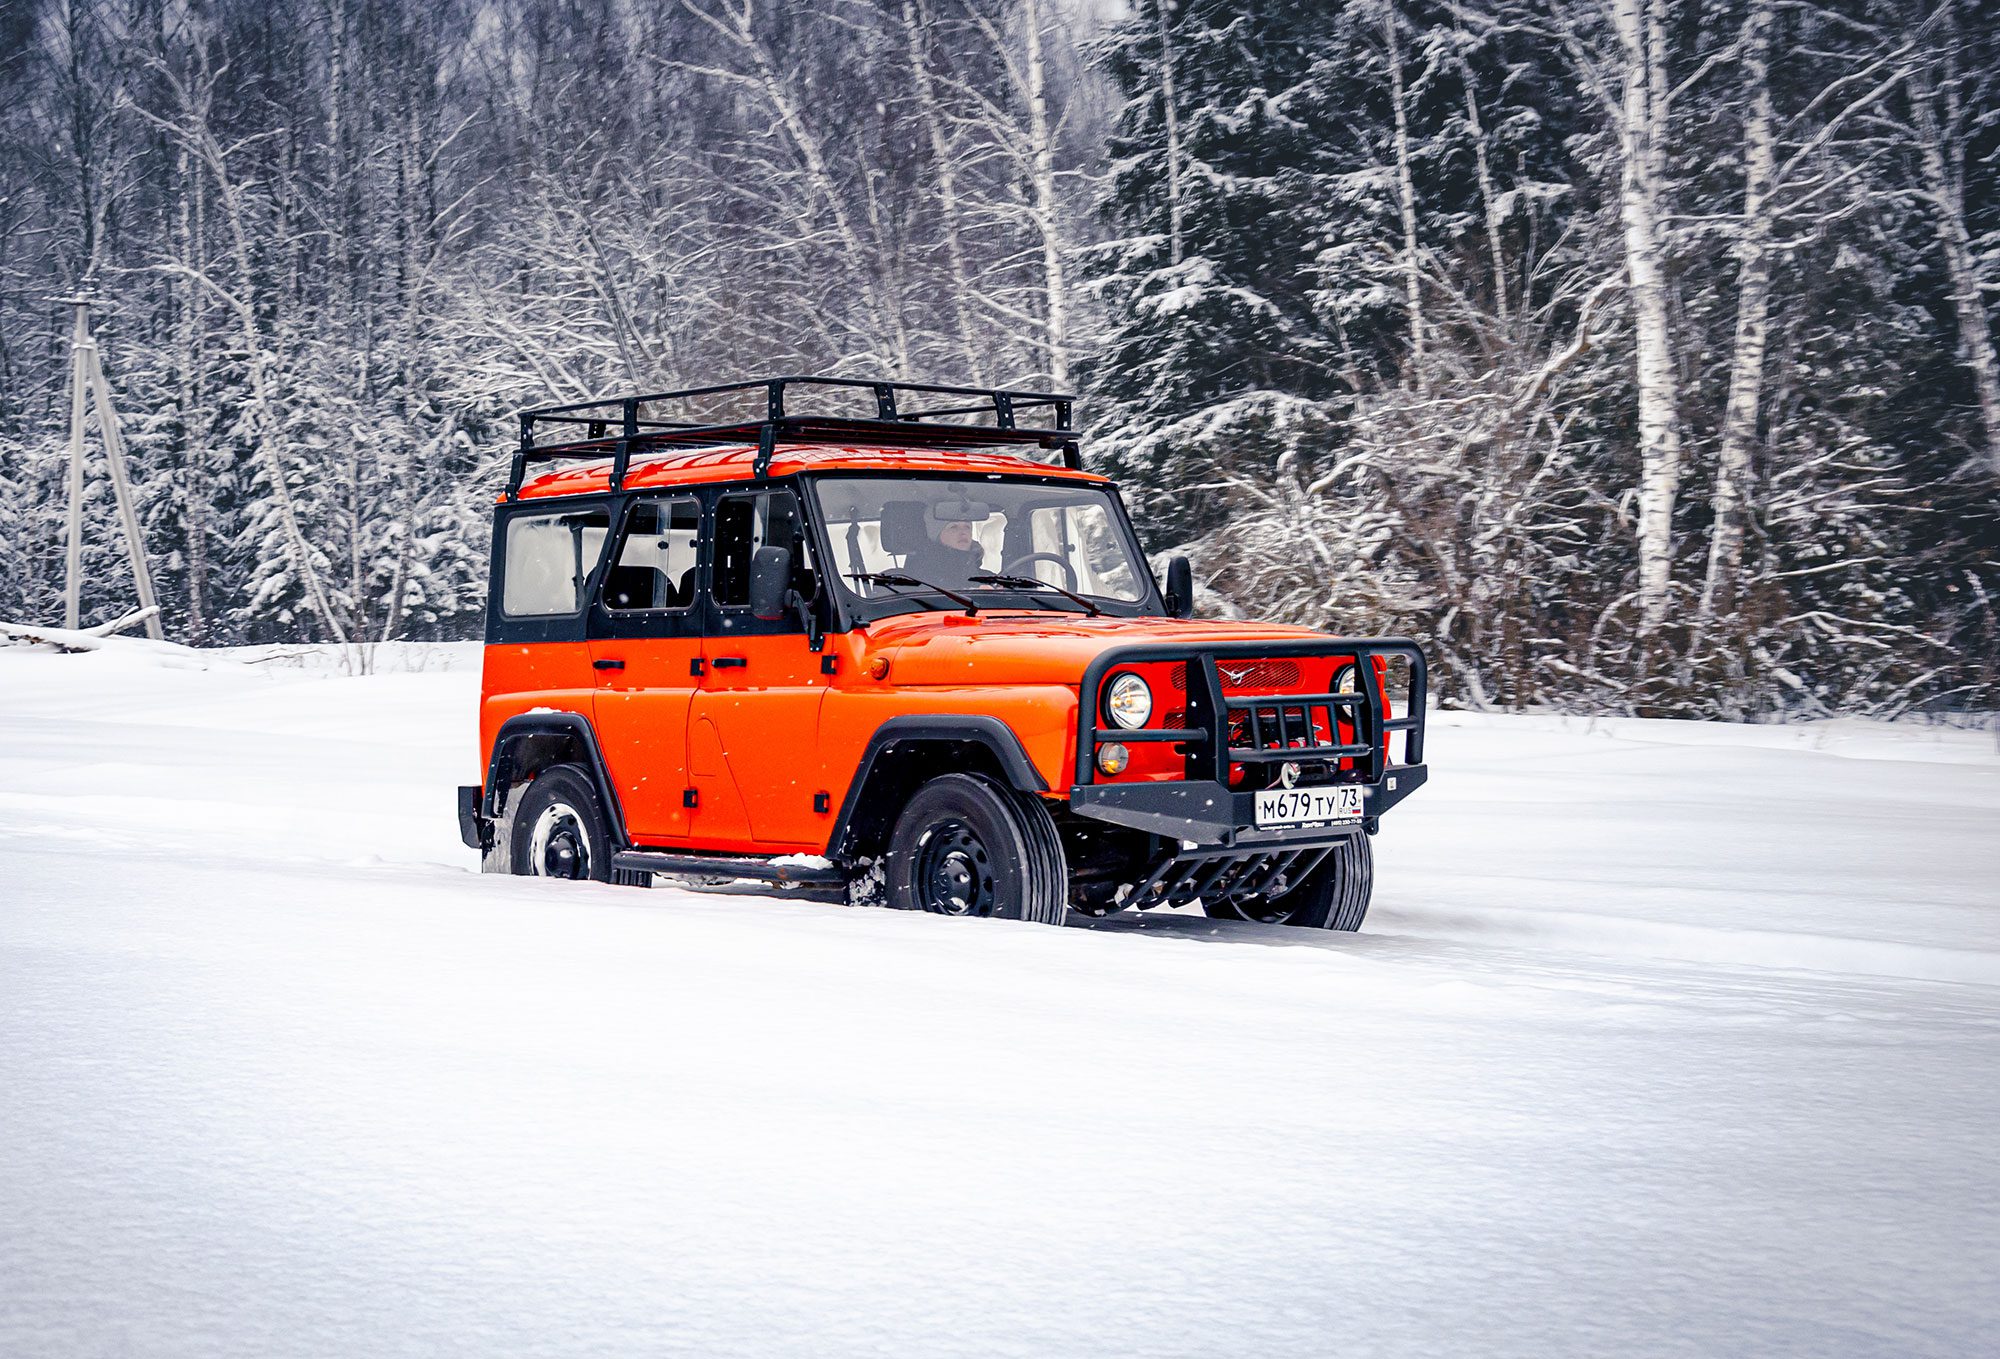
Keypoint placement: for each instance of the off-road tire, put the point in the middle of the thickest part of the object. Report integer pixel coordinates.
(567, 793)
(966, 844)
(1334, 895)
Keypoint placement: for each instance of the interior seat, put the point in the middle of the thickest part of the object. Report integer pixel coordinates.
(903, 527)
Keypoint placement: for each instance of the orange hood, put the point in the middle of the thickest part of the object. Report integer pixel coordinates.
(1037, 648)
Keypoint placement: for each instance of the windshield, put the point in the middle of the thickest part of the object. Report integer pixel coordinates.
(951, 534)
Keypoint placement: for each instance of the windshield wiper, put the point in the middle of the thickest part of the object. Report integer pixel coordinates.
(1030, 583)
(902, 580)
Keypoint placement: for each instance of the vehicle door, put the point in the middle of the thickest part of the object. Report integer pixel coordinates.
(754, 742)
(645, 647)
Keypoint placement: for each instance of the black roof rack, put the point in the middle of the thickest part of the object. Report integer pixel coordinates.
(619, 426)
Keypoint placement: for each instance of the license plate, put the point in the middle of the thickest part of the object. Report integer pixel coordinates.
(1305, 806)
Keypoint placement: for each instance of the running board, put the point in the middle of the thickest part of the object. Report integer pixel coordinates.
(723, 866)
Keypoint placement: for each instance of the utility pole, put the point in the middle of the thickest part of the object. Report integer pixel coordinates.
(87, 385)
(73, 575)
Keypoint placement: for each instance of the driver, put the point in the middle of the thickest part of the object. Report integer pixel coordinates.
(948, 555)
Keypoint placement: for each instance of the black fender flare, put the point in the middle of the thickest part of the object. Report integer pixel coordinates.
(515, 730)
(936, 728)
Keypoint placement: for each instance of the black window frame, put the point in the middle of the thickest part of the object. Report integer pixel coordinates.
(503, 628)
(741, 622)
(607, 623)
(853, 610)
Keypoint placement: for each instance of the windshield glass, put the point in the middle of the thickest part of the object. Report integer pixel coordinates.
(950, 533)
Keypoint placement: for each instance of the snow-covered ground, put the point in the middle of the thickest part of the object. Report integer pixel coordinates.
(1663, 1039)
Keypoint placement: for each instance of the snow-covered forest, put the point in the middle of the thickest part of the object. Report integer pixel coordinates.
(1634, 354)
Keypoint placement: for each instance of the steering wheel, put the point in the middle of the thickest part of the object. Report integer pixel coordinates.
(1028, 559)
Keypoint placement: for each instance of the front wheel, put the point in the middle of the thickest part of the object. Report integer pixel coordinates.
(967, 844)
(1334, 896)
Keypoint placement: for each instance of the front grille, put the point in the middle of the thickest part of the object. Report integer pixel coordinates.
(1266, 733)
(1247, 675)
(1274, 727)
(1280, 726)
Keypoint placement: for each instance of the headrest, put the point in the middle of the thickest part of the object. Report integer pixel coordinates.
(781, 530)
(903, 526)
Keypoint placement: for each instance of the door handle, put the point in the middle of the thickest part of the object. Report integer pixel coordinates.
(607, 663)
(730, 662)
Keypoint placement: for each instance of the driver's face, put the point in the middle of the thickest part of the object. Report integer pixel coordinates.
(957, 536)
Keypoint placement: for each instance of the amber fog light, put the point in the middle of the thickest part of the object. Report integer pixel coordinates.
(1112, 758)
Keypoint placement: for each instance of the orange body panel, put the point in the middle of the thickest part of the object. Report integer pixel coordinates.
(642, 729)
(518, 679)
(762, 719)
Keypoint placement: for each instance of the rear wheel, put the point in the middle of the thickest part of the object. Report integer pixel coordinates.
(967, 844)
(1334, 896)
(555, 827)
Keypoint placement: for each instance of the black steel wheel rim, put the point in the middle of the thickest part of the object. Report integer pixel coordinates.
(1262, 908)
(954, 873)
(1262, 911)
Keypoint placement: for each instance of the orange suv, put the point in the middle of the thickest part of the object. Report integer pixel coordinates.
(868, 639)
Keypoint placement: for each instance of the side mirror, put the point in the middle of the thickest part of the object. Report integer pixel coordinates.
(1180, 588)
(770, 582)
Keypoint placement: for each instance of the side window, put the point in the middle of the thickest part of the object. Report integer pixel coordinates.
(549, 558)
(746, 522)
(655, 567)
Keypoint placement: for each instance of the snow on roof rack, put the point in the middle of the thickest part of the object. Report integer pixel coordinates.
(618, 426)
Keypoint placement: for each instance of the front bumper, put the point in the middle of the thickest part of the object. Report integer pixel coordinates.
(1268, 729)
(1208, 813)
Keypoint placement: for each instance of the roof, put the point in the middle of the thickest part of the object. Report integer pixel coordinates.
(705, 466)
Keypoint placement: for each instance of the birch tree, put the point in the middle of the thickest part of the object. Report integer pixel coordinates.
(918, 30)
(1021, 121)
(1641, 129)
(1753, 300)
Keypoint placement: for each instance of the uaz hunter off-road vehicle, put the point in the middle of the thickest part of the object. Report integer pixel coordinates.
(894, 655)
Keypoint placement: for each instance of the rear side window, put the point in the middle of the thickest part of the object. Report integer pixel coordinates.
(549, 559)
(656, 557)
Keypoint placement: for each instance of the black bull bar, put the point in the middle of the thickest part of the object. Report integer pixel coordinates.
(1202, 808)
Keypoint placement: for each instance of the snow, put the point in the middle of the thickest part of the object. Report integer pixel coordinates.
(1664, 1039)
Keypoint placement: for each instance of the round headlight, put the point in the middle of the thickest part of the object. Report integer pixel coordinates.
(1344, 681)
(1128, 701)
